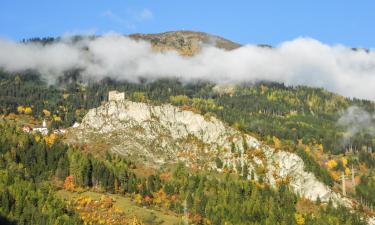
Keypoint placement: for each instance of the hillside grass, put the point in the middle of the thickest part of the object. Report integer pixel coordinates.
(148, 216)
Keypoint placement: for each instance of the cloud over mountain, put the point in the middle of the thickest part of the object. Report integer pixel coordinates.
(302, 61)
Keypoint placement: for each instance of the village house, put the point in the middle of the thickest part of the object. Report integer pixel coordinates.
(27, 128)
(44, 130)
(116, 96)
(41, 129)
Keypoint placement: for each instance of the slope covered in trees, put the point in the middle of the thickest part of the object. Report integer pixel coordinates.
(26, 195)
(202, 197)
(298, 119)
(266, 109)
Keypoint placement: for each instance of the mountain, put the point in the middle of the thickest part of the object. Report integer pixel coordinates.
(185, 42)
(243, 154)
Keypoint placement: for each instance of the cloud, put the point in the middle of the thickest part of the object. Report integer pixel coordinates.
(302, 61)
(50, 61)
(356, 120)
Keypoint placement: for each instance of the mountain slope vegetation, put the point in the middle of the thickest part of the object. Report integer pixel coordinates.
(295, 120)
(201, 197)
(72, 102)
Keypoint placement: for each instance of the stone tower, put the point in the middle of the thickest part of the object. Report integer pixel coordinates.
(116, 96)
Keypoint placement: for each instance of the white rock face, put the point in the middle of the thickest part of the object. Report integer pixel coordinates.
(304, 182)
(371, 221)
(162, 134)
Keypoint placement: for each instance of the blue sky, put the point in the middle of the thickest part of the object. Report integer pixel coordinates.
(271, 22)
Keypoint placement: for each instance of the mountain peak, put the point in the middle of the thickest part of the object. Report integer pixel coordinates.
(185, 42)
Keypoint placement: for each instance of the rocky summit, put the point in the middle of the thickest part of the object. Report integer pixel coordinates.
(185, 42)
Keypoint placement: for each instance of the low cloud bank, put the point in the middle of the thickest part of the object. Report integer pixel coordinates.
(356, 120)
(302, 61)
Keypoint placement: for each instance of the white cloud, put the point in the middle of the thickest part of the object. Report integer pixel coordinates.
(356, 120)
(302, 61)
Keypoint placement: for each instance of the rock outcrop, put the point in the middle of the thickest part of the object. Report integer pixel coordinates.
(156, 135)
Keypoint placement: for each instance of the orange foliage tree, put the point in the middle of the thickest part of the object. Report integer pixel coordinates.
(69, 183)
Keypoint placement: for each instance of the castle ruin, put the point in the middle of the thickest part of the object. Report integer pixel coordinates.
(116, 96)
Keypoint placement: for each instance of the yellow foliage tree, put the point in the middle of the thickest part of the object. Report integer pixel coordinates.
(160, 196)
(50, 139)
(335, 175)
(46, 113)
(276, 142)
(331, 164)
(20, 109)
(320, 147)
(307, 149)
(28, 110)
(56, 118)
(347, 171)
(138, 199)
(299, 219)
(37, 138)
(180, 99)
(139, 96)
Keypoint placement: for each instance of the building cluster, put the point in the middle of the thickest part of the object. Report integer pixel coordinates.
(43, 129)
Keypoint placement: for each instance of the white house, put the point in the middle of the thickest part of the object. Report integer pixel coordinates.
(42, 129)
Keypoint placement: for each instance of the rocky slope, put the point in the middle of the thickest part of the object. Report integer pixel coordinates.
(165, 134)
(185, 42)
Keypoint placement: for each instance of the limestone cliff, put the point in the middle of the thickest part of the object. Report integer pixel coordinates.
(156, 135)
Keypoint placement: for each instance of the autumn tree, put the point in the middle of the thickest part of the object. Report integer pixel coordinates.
(69, 183)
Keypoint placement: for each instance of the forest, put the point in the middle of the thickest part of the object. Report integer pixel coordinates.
(27, 197)
(298, 119)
